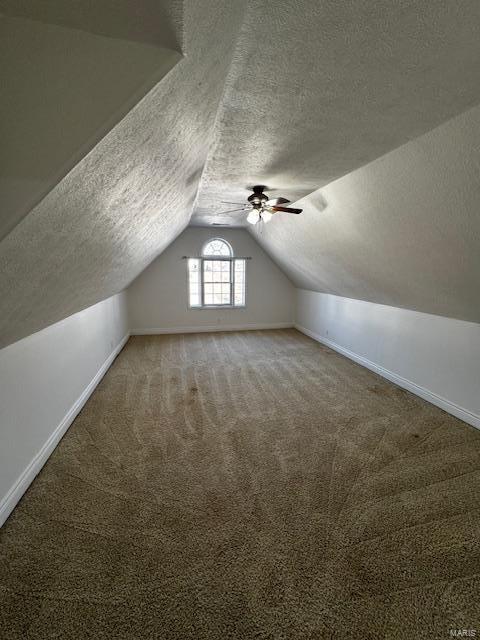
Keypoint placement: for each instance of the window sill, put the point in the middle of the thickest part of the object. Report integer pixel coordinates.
(218, 306)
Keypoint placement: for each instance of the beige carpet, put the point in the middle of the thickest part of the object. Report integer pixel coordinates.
(247, 485)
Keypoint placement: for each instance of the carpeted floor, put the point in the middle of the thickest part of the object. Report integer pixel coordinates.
(247, 485)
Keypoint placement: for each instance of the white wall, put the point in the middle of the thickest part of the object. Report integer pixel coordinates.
(44, 381)
(436, 357)
(157, 299)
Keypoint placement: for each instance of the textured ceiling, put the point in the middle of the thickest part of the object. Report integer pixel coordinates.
(129, 197)
(289, 94)
(318, 89)
(404, 230)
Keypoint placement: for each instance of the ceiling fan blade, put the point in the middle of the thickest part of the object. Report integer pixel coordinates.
(221, 213)
(273, 202)
(227, 202)
(286, 209)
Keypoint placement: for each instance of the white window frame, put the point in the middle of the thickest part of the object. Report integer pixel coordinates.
(201, 272)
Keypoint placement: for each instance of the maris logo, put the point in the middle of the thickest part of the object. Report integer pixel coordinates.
(463, 633)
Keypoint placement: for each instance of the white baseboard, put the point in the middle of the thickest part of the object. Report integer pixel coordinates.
(211, 328)
(430, 396)
(10, 500)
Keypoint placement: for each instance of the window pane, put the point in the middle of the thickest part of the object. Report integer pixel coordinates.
(207, 271)
(193, 265)
(239, 283)
(216, 270)
(193, 282)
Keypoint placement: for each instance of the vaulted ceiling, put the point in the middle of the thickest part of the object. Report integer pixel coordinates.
(124, 121)
(132, 194)
(403, 231)
(318, 89)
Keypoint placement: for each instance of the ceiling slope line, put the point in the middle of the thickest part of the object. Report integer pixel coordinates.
(219, 109)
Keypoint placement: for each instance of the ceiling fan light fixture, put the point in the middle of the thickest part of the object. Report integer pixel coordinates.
(260, 206)
(267, 216)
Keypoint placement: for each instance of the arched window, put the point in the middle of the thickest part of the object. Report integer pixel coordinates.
(216, 279)
(217, 247)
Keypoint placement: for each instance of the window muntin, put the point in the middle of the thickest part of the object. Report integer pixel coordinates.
(216, 279)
